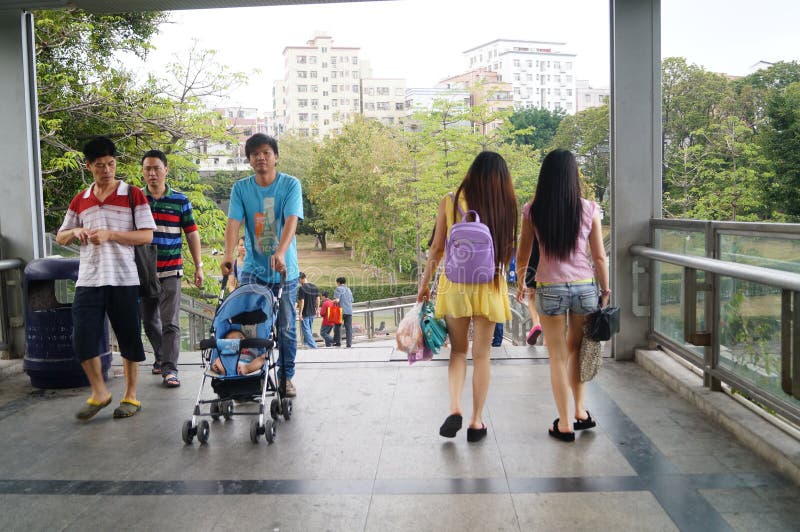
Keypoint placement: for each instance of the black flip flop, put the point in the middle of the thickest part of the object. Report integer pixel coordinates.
(583, 424)
(474, 435)
(563, 436)
(451, 426)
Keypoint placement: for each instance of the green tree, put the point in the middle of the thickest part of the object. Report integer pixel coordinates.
(781, 142)
(537, 126)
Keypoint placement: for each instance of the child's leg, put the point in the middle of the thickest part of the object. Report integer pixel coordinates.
(251, 366)
(218, 367)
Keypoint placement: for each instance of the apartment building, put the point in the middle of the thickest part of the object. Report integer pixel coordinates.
(324, 86)
(587, 96)
(241, 123)
(541, 73)
(484, 89)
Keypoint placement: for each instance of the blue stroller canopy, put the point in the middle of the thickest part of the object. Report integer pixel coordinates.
(246, 301)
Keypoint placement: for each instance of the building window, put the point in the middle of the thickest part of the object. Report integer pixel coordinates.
(370, 91)
(302, 74)
(369, 106)
(302, 103)
(314, 117)
(516, 76)
(355, 89)
(324, 50)
(355, 74)
(333, 60)
(324, 93)
(399, 92)
(303, 117)
(356, 104)
(312, 59)
(382, 106)
(569, 92)
(398, 106)
(301, 60)
(313, 74)
(302, 88)
(315, 104)
(557, 64)
(516, 62)
(334, 88)
(529, 63)
(354, 60)
(324, 65)
(569, 65)
(314, 88)
(333, 74)
(516, 91)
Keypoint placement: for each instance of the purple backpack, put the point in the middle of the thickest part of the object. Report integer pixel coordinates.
(469, 251)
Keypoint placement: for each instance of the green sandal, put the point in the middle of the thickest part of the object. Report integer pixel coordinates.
(91, 408)
(127, 408)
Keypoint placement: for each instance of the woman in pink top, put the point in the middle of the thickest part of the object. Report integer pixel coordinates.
(567, 278)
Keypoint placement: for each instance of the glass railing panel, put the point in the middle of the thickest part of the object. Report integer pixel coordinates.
(772, 252)
(750, 334)
(668, 308)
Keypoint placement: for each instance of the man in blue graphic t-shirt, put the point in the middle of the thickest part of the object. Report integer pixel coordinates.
(270, 205)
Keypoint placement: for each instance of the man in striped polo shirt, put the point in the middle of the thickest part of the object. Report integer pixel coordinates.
(101, 220)
(172, 212)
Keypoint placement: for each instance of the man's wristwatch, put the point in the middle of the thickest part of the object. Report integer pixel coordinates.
(199, 265)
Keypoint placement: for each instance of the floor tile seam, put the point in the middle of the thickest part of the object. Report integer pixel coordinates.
(445, 486)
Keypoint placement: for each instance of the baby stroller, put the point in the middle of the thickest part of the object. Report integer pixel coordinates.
(252, 309)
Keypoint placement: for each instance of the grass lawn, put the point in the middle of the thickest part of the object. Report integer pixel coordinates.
(323, 267)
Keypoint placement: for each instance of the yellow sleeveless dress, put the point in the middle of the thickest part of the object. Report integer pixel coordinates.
(459, 300)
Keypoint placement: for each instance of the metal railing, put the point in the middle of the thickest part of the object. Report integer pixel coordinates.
(725, 296)
(11, 306)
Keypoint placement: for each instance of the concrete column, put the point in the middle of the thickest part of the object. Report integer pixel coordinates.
(21, 206)
(635, 151)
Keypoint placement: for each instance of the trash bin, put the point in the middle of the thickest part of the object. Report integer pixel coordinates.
(50, 359)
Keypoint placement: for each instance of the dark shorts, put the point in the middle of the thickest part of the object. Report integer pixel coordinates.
(89, 310)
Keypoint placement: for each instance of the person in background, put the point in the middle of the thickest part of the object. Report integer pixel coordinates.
(565, 224)
(530, 278)
(108, 280)
(307, 306)
(172, 212)
(327, 325)
(487, 189)
(270, 205)
(344, 297)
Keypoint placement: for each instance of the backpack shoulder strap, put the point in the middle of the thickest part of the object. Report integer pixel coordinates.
(458, 206)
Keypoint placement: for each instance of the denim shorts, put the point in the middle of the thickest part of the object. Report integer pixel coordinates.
(557, 299)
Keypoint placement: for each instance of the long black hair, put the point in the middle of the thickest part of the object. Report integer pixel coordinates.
(556, 210)
(489, 190)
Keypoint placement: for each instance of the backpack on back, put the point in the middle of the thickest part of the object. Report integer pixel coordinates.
(469, 251)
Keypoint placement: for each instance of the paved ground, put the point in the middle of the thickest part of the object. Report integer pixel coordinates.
(362, 452)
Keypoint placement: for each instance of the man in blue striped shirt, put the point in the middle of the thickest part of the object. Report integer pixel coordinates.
(172, 212)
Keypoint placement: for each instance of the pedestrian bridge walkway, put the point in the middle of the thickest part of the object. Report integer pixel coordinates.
(362, 452)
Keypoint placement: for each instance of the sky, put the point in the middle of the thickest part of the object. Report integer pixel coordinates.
(423, 40)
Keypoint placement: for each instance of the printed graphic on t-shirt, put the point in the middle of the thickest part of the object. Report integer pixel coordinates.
(266, 236)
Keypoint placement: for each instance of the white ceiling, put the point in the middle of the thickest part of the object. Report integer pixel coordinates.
(121, 6)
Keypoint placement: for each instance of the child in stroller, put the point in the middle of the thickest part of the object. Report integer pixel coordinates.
(249, 361)
(239, 361)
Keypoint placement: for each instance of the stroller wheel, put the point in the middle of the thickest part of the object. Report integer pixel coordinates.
(254, 431)
(215, 410)
(274, 409)
(269, 430)
(227, 409)
(286, 408)
(187, 432)
(202, 431)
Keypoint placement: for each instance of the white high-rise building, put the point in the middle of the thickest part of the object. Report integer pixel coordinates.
(541, 73)
(324, 86)
(587, 96)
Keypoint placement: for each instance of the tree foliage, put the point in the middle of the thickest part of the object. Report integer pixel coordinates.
(536, 127)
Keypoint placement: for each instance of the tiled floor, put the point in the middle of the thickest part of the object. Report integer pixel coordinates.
(362, 452)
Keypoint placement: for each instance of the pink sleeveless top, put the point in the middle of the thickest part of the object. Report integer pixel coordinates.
(579, 266)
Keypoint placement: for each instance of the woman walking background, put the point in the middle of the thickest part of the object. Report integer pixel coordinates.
(566, 289)
(487, 189)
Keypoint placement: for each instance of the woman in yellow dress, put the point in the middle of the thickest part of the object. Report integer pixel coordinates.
(487, 189)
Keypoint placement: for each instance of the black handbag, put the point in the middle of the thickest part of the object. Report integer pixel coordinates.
(145, 256)
(604, 323)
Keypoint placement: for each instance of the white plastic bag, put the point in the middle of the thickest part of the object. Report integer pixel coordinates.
(409, 332)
